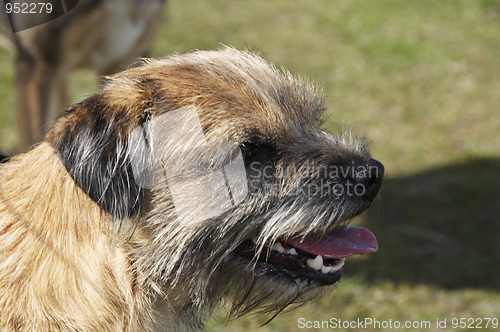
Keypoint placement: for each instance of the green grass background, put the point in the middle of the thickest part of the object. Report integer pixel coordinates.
(421, 79)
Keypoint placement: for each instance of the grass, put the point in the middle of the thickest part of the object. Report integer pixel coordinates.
(421, 80)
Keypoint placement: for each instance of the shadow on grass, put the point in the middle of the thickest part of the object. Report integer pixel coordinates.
(440, 227)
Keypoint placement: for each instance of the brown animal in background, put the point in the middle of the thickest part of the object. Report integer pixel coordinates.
(187, 183)
(105, 35)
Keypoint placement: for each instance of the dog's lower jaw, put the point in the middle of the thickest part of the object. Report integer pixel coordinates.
(238, 286)
(244, 287)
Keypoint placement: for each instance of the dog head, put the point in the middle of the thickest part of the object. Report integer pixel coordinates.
(219, 160)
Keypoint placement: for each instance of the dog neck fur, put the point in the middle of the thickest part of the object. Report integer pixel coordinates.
(62, 262)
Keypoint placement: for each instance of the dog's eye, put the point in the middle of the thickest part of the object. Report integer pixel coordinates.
(258, 152)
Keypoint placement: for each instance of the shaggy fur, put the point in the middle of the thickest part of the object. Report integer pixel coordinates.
(84, 247)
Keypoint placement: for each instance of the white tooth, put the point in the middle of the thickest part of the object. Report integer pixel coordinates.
(316, 263)
(338, 266)
(334, 268)
(254, 240)
(279, 248)
(327, 269)
(292, 252)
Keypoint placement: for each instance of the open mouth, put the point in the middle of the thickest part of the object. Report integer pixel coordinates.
(320, 260)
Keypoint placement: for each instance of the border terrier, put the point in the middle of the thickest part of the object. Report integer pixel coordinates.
(186, 184)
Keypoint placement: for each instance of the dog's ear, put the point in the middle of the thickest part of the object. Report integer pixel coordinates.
(91, 140)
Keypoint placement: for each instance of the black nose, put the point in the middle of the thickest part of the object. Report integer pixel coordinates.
(368, 179)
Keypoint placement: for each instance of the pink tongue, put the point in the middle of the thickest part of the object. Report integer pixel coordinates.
(339, 243)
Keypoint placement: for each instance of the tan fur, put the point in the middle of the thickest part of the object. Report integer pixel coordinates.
(55, 243)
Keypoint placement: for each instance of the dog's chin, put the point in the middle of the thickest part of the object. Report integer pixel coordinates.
(270, 287)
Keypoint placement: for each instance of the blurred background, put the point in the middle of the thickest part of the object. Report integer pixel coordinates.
(421, 79)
